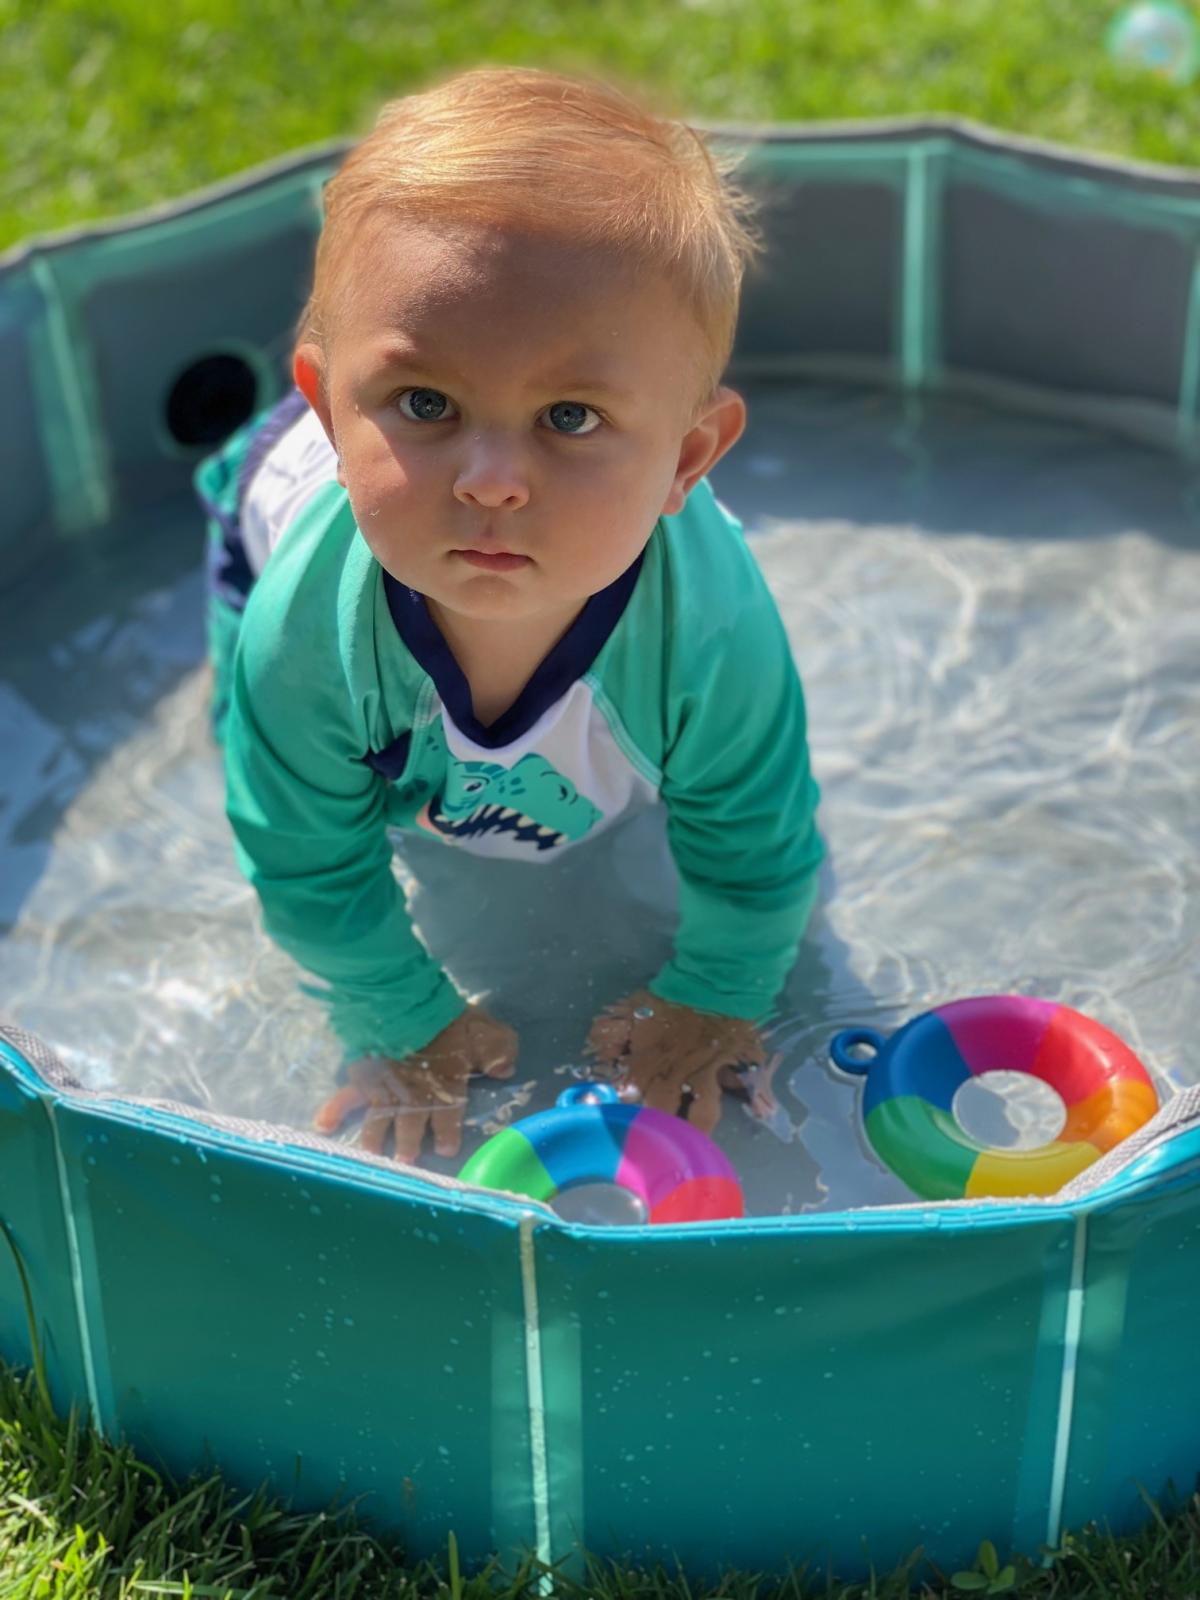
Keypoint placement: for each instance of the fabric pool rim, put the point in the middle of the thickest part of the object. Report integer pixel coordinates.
(1159, 177)
(282, 1145)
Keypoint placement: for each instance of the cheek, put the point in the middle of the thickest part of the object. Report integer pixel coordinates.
(619, 492)
(377, 479)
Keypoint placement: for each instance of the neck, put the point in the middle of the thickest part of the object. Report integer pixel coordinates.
(498, 656)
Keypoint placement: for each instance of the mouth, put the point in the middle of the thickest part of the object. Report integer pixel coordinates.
(493, 819)
(493, 560)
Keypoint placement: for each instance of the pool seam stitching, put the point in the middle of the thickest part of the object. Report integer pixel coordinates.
(81, 1314)
(1072, 1325)
(539, 1467)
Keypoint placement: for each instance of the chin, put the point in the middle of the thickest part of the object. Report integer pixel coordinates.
(489, 600)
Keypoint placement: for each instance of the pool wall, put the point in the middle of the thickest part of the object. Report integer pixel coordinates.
(828, 1387)
(928, 255)
(833, 1389)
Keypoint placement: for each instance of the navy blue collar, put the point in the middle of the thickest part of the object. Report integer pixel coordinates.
(556, 672)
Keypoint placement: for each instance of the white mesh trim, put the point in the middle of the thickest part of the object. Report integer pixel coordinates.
(1181, 1112)
(41, 1056)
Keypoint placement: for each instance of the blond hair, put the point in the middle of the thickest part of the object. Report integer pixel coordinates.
(571, 157)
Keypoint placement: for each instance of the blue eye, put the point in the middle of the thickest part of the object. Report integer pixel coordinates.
(572, 413)
(428, 404)
(431, 405)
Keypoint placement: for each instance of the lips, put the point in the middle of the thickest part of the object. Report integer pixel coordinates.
(493, 560)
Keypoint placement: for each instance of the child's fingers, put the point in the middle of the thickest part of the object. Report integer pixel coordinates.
(733, 1081)
(659, 1081)
(762, 1097)
(498, 1059)
(663, 1080)
(754, 1056)
(409, 1129)
(705, 1110)
(763, 1104)
(329, 1117)
(447, 1130)
(492, 1048)
(608, 1038)
(752, 1086)
(372, 1136)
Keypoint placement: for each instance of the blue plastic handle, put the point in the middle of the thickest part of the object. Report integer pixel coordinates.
(588, 1094)
(842, 1043)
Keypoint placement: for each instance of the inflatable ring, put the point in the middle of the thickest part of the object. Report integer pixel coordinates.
(913, 1077)
(592, 1136)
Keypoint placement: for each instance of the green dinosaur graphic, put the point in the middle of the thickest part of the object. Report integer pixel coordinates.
(530, 801)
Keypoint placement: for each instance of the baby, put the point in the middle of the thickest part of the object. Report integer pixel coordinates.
(499, 601)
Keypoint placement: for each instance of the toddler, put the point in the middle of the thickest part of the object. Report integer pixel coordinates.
(471, 578)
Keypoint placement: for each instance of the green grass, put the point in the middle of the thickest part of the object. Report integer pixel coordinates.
(83, 1520)
(113, 105)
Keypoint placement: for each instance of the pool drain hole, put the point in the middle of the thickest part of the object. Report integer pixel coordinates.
(210, 399)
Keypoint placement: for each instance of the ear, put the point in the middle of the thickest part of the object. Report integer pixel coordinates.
(718, 428)
(308, 373)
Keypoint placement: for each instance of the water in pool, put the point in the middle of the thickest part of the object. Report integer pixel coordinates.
(995, 621)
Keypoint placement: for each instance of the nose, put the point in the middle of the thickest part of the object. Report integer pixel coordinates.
(492, 474)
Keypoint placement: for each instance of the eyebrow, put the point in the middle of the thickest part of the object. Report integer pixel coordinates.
(401, 356)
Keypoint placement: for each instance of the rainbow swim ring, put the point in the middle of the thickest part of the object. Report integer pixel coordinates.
(913, 1077)
(592, 1136)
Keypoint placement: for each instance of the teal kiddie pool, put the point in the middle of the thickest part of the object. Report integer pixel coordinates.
(973, 368)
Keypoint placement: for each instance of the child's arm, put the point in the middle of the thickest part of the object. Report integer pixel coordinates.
(741, 823)
(310, 824)
(742, 827)
(311, 834)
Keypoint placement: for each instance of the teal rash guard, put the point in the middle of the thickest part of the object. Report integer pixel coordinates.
(345, 715)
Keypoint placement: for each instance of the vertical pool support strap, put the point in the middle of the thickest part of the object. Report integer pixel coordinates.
(76, 463)
(87, 1349)
(920, 261)
(1189, 373)
(539, 1467)
(1072, 1326)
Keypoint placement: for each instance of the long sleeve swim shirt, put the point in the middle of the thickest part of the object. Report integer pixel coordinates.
(347, 715)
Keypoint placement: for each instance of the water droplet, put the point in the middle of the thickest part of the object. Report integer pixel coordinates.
(644, 1011)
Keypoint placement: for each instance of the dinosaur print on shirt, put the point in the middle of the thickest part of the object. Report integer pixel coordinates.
(532, 802)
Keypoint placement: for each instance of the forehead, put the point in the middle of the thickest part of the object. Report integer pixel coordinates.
(453, 281)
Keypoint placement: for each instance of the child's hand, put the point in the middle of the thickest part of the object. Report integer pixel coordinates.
(666, 1053)
(428, 1086)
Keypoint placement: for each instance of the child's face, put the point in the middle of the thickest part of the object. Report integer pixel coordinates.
(512, 415)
